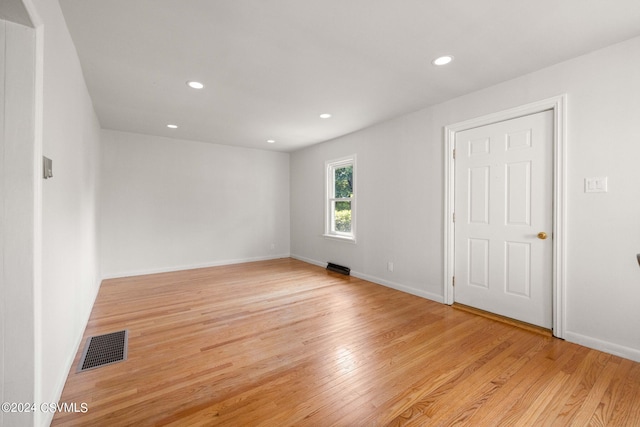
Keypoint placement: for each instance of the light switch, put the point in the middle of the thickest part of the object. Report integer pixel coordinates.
(595, 185)
(47, 168)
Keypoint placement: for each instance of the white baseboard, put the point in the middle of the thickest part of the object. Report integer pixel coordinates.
(190, 266)
(309, 260)
(399, 287)
(607, 347)
(379, 281)
(47, 417)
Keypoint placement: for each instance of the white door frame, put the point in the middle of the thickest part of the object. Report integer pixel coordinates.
(26, 157)
(558, 105)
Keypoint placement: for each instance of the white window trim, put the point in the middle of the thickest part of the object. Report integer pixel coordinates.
(329, 167)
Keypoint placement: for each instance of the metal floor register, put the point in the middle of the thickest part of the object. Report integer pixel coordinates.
(104, 350)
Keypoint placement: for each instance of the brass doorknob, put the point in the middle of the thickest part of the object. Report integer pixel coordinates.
(542, 235)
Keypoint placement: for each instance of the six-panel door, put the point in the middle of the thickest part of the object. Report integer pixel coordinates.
(503, 200)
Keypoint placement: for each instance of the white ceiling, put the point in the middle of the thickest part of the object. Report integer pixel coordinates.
(271, 67)
(15, 11)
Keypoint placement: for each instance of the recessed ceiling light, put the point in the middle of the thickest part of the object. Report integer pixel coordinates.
(325, 115)
(172, 126)
(271, 141)
(443, 60)
(195, 85)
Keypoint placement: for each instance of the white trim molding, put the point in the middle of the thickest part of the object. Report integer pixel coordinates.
(329, 223)
(133, 273)
(378, 281)
(558, 105)
(605, 346)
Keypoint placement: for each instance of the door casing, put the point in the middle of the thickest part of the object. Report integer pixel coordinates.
(24, 295)
(558, 105)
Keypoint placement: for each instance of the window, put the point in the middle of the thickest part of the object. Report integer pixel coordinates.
(341, 199)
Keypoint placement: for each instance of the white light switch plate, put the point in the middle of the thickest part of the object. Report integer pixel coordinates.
(595, 185)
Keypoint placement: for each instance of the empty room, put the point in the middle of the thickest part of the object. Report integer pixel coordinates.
(338, 213)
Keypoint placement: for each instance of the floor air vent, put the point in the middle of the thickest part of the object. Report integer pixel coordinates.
(339, 269)
(104, 350)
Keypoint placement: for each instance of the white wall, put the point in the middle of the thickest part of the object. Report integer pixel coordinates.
(400, 191)
(70, 257)
(171, 204)
(398, 206)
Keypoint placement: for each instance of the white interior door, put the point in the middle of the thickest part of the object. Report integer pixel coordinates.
(504, 218)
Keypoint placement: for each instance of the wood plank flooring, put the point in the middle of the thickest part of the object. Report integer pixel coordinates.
(282, 342)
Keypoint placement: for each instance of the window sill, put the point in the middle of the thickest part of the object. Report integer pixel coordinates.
(340, 238)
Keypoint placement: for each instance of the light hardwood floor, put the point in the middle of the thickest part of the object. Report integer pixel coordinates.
(280, 343)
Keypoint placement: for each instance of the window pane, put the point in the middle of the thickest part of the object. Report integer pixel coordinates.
(344, 182)
(342, 215)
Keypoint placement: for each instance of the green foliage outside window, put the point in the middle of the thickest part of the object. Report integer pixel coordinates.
(343, 221)
(343, 189)
(344, 182)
